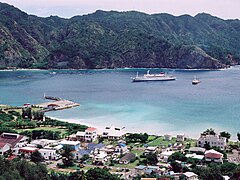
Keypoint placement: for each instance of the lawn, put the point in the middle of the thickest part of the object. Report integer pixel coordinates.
(63, 130)
(162, 142)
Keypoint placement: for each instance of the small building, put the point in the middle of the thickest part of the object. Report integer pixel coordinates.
(180, 137)
(27, 151)
(74, 145)
(4, 148)
(121, 148)
(77, 155)
(140, 169)
(90, 134)
(195, 156)
(113, 133)
(127, 158)
(80, 136)
(213, 156)
(43, 142)
(190, 176)
(100, 158)
(50, 154)
(212, 141)
(167, 137)
(197, 150)
(150, 149)
(165, 155)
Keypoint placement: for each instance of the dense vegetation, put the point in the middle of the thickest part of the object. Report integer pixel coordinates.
(117, 39)
(13, 121)
(23, 170)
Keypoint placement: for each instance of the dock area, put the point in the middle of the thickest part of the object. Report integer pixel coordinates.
(56, 104)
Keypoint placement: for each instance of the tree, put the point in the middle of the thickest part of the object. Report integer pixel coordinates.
(176, 167)
(151, 159)
(177, 156)
(226, 135)
(100, 174)
(27, 113)
(209, 132)
(238, 135)
(36, 157)
(67, 156)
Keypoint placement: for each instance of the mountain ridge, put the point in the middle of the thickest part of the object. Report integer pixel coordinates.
(112, 39)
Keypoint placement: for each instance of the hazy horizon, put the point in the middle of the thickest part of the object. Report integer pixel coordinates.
(67, 9)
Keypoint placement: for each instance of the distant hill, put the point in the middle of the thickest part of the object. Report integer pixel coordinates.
(117, 39)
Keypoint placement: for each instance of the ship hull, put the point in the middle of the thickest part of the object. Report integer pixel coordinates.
(139, 79)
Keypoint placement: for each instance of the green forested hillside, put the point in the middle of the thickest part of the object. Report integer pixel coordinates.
(117, 39)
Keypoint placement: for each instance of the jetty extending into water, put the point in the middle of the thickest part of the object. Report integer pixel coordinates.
(56, 104)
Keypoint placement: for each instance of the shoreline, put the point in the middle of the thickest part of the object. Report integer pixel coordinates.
(101, 128)
(125, 128)
(124, 68)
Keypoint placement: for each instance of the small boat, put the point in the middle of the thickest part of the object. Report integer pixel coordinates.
(153, 77)
(195, 81)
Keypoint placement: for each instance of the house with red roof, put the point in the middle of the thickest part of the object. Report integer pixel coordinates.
(89, 135)
(213, 156)
(4, 148)
(27, 151)
(15, 141)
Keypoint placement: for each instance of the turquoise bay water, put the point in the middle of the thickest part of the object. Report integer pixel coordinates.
(108, 97)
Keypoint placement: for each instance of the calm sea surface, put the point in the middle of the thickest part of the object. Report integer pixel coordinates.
(108, 97)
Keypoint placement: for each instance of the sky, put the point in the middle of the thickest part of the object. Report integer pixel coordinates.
(225, 9)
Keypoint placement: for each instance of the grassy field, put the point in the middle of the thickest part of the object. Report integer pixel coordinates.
(63, 130)
(161, 142)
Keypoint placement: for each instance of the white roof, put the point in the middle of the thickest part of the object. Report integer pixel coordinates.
(151, 148)
(47, 150)
(74, 143)
(167, 153)
(195, 156)
(226, 177)
(213, 151)
(112, 131)
(101, 155)
(79, 133)
(190, 174)
(29, 148)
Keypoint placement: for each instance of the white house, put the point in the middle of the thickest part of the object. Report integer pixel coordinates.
(195, 156)
(100, 158)
(113, 133)
(50, 154)
(165, 155)
(43, 142)
(212, 140)
(4, 148)
(150, 149)
(74, 145)
(167, 137)
(190, 176)
(121, 148)
(90, 134)
(80, 136)
(180, 137)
